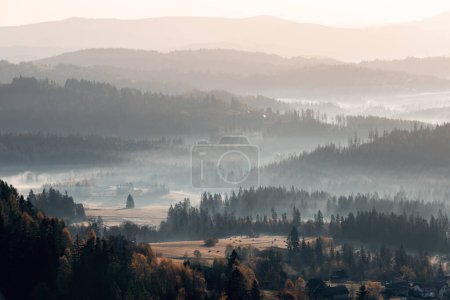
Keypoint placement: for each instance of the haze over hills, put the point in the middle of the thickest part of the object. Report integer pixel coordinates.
(230, 158)
(234, 62)
(203, 60)
(84, 107)
(430, 66)
(235, 71)
(428, 37)
(412, 159)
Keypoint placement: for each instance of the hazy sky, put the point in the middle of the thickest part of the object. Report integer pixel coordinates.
(329, 12)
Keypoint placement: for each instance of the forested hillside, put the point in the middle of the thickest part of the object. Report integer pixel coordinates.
(36, 148)
(41, 253)
(418, 149)
(399, 39)
(368, 226)
(39, 259)
(227, 154)
(431, 66)
(215, 61)
(407, 155)
(56, 204)
(84, 107)
(234, 71)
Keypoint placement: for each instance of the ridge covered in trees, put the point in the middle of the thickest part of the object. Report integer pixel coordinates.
(408, 156)
(39, 259)
(58, 205)
(102, 109)
(236, 71)
(218, 217)
(33, 148)
(422, 147)
(57, 262)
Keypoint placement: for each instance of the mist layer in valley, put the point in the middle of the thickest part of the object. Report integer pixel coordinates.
(103, 122)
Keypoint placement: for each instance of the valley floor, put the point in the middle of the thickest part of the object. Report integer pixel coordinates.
(180, 250)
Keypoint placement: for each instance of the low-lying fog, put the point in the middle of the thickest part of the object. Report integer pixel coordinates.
(157, 179)
(431, 107)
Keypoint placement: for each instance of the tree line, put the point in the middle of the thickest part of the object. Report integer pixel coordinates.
(56, 204)
(261, 200)
(214, 218)
(87, 107)
(400, 155)
(40, 148)
(41, 259)
(419, 147)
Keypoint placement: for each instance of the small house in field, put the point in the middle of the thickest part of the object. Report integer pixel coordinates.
(397, 289)
(339, 292)
(313, 286)
(339, 276)
(318, 290)
(442, 286)
(422, 291)
(442, 290)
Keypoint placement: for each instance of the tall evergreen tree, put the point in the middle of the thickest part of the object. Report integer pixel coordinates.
(293, 241)
(130, 202)
(255, 293)
(362, 293)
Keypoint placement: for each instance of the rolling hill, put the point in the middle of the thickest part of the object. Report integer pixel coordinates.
(416, 160)
(428, 66)
(231, 62)
(428, 37)
(235, 71)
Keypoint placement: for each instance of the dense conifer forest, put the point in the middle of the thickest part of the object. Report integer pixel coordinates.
(42, 254)
(233, 155)
(37, 148)
(89, 107)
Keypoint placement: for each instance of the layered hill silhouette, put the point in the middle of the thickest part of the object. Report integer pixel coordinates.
(428, 37)
(85, 107)
(235, 71)
(235, 62)
(430, 66)
(389, 161)
(213, 61)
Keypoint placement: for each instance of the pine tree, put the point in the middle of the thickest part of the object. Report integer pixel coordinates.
(401, 258)
(318, 249)
(319, 222)
(362, 293)
(274, 215)
(440, 273)
(237, 286)
(293, 241)
(130, 202)
(296, 218)
(255, 293)
(233, 258)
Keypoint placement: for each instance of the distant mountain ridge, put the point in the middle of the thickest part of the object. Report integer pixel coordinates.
(203, 60)
(429, 66)
(428, 37)
(84, 107)
(239, 72)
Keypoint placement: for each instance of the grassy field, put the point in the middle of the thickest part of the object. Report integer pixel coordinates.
(177, 250)
(144, 214)
(151, 215)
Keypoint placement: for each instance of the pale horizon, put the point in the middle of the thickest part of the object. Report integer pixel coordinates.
(324, 12)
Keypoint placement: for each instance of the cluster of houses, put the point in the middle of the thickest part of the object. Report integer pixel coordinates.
(317, 289)
(405, 289)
